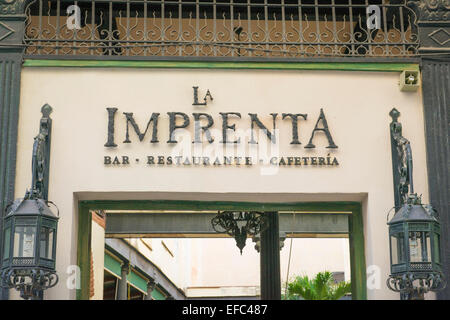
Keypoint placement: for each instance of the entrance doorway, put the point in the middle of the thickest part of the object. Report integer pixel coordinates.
(192, 219)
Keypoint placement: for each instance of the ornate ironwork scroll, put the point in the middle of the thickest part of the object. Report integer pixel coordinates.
(29, 282)
(220, 28)
(414, 286)
(239, 225)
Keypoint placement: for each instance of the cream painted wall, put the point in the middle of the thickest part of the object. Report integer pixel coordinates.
(175, 266)
(356, 105)
(98, 257)
(309, 256)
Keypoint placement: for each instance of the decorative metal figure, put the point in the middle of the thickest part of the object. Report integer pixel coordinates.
(28, 262)
(239, 224)
(41, 156)
(402, 161)
(414, 231)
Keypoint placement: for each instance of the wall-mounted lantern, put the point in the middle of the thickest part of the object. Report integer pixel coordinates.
(29, 249)
(414, 234)
(414, 230)
(30, 228)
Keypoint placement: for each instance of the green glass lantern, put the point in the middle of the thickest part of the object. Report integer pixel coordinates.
(414, 234)
(29, 246)
(30, 235)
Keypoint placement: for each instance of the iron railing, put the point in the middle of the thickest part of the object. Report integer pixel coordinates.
(220, 28)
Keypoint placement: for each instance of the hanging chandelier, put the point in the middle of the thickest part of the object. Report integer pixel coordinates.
(239, 225)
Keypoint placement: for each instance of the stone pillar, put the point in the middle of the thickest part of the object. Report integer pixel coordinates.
(151, 284)
(270, 259)
(122, 290)
(434, 36)
(12, 26)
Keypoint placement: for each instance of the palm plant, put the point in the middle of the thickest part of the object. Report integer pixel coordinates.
(321, 287)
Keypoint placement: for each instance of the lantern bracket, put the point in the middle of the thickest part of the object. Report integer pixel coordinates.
(405, 284)
(56, 207)
(29, 282)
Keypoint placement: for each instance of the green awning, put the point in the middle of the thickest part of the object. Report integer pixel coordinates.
(137, 281)
(112, 265)
(157, 295)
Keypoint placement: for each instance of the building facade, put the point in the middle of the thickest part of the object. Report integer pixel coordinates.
(165, 113)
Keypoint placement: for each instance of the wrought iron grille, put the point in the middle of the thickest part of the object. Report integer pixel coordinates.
(220, 28)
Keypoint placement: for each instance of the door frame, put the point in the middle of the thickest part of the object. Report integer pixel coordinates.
(356, 229)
